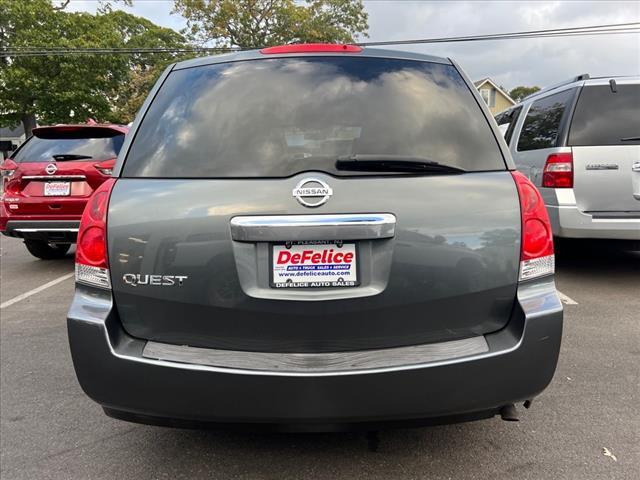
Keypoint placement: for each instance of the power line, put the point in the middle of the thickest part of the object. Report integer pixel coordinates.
(594, 30)
(55, 50)
(105, 51)
(632, 27)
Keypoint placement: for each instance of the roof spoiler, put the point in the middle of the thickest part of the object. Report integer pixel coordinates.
(76, 131)
(584, 76)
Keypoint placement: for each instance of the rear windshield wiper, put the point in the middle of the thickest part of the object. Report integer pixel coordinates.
(629, 139)
(70, 156)
(393, 163)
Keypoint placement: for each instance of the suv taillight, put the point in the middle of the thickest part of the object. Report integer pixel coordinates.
(558, 171)
(7, 169)
(106, 167)
(536, 250)
(91, 252)
(104, 171)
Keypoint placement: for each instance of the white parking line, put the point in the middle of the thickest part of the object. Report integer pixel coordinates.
(21, 297)
(566, 300)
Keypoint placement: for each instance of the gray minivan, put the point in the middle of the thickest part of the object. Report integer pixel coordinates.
(314, 237)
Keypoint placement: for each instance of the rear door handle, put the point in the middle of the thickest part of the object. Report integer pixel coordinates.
(636, 167)
(279, 228)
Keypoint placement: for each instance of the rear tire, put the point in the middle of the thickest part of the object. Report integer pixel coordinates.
(46, 251)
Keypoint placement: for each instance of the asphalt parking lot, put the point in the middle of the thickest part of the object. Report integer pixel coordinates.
(51, 430)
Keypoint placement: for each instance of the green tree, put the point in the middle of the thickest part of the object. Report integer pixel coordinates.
(259, 23)
(68, 88)
(143, 68)
(519, 93)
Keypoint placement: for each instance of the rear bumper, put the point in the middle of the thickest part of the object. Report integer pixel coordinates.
(519, 364)
(52, 231)
(570, 222)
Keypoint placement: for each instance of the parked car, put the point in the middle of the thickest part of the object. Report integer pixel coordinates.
(314, 237)
(47, 181)
(579, 143)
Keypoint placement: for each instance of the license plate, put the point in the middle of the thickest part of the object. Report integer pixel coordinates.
(57, 189)
(314, 265)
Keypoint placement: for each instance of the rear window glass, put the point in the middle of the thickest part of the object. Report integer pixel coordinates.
(541, 127)
(44, 149)
(279, 117)
(604, 117)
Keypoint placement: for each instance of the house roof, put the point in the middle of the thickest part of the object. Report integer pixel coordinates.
(479, 83)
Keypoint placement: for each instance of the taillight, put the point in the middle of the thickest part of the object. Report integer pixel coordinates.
(106, 167)
(536, 250)
(558, 171)
(105, 171)
(7, 169)
(92, 267)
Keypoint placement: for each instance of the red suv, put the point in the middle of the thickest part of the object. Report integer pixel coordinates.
(48, 180)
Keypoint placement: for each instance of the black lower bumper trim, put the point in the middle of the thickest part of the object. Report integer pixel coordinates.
(50, 231)
(298, 427)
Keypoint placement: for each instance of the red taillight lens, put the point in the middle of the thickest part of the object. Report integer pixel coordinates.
(91, 252)
(558, 171)
(536, 250)
(98, 206)
(312, 48)
(93, 246)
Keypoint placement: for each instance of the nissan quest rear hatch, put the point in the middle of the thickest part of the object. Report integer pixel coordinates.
(316, 237)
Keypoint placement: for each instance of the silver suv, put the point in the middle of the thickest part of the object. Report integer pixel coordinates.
(320, 236)
(579, 143)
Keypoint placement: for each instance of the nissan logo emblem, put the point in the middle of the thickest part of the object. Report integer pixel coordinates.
(312, 192)
(51, 169)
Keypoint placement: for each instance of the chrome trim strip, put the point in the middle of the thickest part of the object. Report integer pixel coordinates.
(602, 166)
(317, 362)
(275, 373)
(361, 226)
(54, 177)
(31, 230)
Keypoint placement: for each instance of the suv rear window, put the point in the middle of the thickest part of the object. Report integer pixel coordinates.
(94, 148)
(604, 117)
(541, 127)
(279, 117)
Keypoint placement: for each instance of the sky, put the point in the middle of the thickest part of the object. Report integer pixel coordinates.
(509, 63)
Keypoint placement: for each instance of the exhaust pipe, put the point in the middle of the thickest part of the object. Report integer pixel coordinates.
(508, 413)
